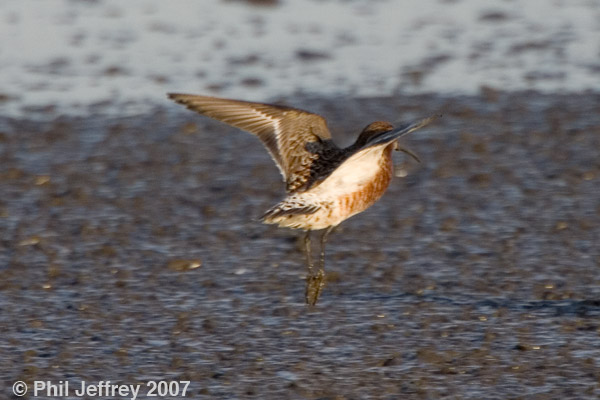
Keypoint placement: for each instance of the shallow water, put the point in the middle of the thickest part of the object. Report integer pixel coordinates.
(475, 276)
(122, 56)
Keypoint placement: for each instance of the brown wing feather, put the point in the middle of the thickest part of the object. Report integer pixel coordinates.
(284, 131)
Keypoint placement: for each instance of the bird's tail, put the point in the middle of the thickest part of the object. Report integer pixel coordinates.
(291, 212)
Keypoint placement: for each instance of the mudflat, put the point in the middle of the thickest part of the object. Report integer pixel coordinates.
(130, 250)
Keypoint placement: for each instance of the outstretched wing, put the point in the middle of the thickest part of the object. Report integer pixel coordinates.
(284, 131)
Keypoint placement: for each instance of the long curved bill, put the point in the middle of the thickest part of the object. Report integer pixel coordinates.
(402, 130)
(410, 153)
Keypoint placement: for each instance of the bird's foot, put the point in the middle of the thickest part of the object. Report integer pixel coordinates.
(314, 286)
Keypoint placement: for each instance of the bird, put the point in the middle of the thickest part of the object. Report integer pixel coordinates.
(325, 184)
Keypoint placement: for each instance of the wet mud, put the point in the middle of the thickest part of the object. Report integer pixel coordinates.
(130, 250)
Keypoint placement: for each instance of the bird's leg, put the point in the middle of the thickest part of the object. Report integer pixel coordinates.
(311, 293)
(316, 282)
(307, 252)
(313, 287)
(323, 242)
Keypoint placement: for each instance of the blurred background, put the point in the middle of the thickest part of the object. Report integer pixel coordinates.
(121, 56)
(130, 243)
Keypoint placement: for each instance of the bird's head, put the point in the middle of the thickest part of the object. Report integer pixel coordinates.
(372, 130)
